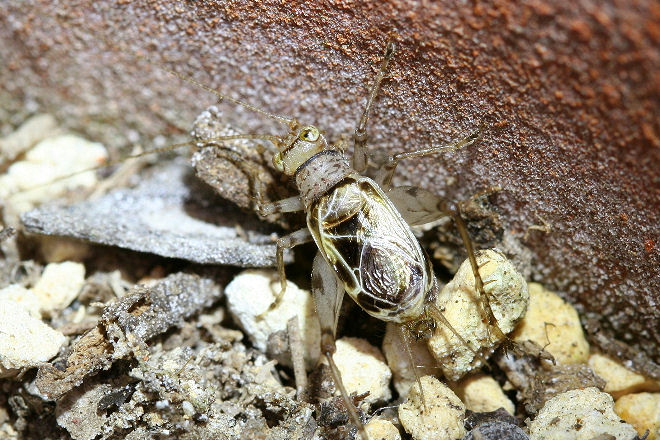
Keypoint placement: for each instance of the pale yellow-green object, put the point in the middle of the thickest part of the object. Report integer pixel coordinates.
(59, 285)
(403, 367)
(362, 367)
(581, 414)
(553, 324)
(642, 410)
(508, 298)
(441, 419)
(380, 429)
(620, 380)
(482, 393)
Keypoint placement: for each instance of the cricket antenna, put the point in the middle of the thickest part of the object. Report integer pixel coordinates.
(291, 122)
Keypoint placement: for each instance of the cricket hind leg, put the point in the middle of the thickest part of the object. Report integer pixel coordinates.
(328, 293)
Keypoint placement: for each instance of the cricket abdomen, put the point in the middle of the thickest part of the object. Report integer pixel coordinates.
(372, 249)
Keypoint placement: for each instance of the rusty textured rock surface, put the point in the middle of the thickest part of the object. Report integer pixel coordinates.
(569, 93)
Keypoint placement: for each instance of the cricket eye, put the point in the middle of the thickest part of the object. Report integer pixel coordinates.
(309, 134)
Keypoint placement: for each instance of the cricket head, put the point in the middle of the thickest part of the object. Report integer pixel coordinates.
(296, 148)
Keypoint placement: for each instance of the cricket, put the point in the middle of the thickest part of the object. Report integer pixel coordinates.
(361, 227)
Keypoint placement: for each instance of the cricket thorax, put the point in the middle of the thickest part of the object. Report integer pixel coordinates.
(372, 249)
(319, 174)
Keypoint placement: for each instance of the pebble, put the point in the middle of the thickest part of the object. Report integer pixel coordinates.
(362, 367)
(59, 285)
(25, 341)
(440, 419)
(252, 292)
(482, 393)
(620, 380)
(554, 325)
(642, 410)
(33, 180)
(380, 429)
(496, 431)
(507, 291)
(23, 297)
(581, 414)
(403, 369)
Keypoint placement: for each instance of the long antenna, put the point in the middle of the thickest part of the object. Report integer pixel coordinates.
(291, 122)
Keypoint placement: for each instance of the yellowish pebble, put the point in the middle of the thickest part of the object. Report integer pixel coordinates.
(620, 380)
(642, 410)
(553, 324)
(482, 393)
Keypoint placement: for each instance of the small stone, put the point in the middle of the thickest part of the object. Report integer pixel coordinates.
(482, 393)
(642, 410)
(38, 178)
(496, 431)
(554, 325)
(398, 359)
(252, 292)
(362, 367)
(25, 341)
(440, 419)
(508, 297)
(380, 429)
(579, 415)
(620, 380)
(23, 297)
(59, 284)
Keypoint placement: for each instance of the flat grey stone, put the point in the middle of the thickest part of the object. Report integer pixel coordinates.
(168, 214)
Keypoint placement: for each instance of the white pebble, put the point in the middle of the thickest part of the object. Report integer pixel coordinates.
(23, 297)
(554, 324)
(25, 341)
(508, 295)
(60, 283)
(403, 367)
(34, 180)
(581, 414)
(362, 367)
(440, 419)
(380, 429)
(482, 393)
(251, 293)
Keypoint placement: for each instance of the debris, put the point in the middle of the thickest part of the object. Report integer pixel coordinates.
(125, 327)
(164, 215)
